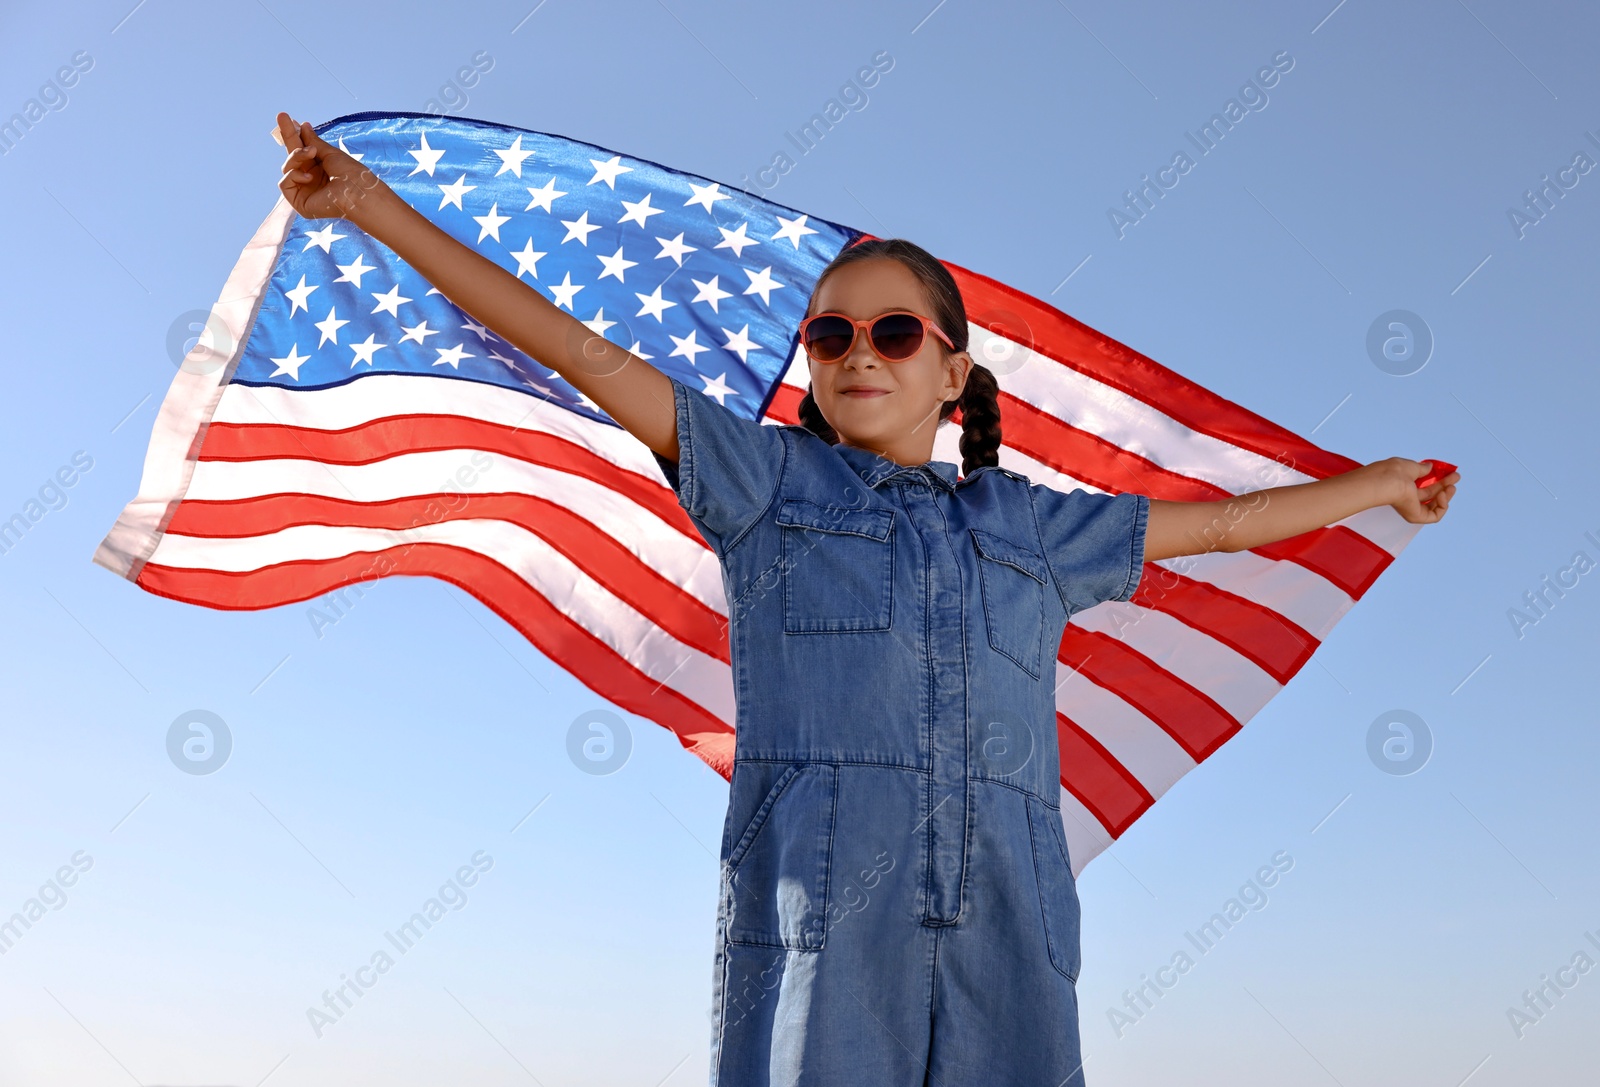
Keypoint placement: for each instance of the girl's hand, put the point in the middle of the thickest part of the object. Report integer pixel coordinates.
(1419, 505)
(319, 180)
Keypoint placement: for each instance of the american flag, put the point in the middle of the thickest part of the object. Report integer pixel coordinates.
(341, 420)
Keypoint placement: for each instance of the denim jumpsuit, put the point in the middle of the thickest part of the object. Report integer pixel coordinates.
(897, 905)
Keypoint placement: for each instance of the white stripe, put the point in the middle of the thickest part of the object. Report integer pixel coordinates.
(1143, 747)
(632, 635)
(1086, 838)
(1228, 677)
(658, 545)
(1300, 596)
(384, 396)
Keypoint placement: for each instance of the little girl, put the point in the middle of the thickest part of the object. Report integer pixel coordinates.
(897, 902)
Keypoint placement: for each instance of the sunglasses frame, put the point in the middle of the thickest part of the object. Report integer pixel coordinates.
(857, 327)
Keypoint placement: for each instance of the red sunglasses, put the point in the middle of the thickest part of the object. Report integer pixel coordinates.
(895, 336)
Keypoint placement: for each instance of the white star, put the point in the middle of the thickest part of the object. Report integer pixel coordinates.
(498, 357)
(298, 296)
(637, 351)
(323, 238)
(706, 195)
(615, 265)
(291, 363)
(427, 158)
(365, 350)
(482, 331)
(349, 152)
(653, 304)
(543, 196)
(717, 387)
(526, 377)
(329, 326)
(686, 346)
(793, 229)
(598, 323)
(352, 273)
(675, 249)
(390, 301)
(419, 333)
(735, 240)
(565, 291)
(528, 259)
(511, 158)
(762, 283)
(491, 223)
(741, 344)
(455, 191)
(609, 170)
(710, 292)
(639, 211)
(578, 228)
(452, 355)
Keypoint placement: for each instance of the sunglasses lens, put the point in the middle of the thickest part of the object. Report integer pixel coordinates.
(897, 336)
(828, 338)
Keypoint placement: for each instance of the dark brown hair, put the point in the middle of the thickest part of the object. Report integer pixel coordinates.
(979, 401)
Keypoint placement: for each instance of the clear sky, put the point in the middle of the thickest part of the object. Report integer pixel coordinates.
(1384, 171)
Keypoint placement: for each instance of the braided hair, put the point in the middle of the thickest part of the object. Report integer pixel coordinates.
(979, 401)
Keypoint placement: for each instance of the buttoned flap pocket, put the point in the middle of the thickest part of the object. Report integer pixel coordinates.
(1058, 889)
(775, 878)
(838, 567)
(1014, 580)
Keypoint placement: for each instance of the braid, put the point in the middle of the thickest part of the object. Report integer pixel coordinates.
(980, 421)
(811, 418)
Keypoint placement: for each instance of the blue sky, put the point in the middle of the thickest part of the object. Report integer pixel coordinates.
(371, 764)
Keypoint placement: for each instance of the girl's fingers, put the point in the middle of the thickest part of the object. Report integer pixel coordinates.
(296, 158)
(290, 131)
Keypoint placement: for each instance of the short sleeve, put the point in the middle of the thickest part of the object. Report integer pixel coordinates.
(1094, 543)
(728, 466)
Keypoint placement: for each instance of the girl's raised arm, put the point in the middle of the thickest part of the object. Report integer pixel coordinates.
(320, 181)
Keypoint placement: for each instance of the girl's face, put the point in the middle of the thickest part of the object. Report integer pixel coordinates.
(896, 411)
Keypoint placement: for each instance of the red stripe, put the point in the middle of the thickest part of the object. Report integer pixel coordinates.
(1041, 327)
(1100, 783)
(1274, 644)
(555, 635)
(1192, 718)
(597, 553)
(785, 405)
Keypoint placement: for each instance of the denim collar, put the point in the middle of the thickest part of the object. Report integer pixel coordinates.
(874, 469)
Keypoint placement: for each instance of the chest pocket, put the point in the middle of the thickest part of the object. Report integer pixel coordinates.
(838, 567)
(1014, 580)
